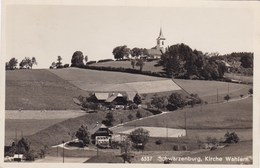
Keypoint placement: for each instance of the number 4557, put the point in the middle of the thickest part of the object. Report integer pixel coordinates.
(146, 158)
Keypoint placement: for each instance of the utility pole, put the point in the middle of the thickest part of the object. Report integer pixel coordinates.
(63, 151)
(217, 95)
(185, 116)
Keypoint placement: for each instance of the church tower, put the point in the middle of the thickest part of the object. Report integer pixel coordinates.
(161, 42)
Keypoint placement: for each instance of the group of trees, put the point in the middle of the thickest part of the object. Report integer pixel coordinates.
(123, 52)
(138, 62)
(78, 58)
(175, 101)
(26, 63)
(181, 61)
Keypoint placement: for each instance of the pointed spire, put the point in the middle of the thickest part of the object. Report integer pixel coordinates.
(161, 34)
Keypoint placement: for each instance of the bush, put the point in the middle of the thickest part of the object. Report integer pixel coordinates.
(231, 137)
(227, 97)
(105, 60)
(176, 147)
(158, 142)
(138, 114)
(66, 65)
(91, 62)
(250, 91)
(130, 117)
(184, 147)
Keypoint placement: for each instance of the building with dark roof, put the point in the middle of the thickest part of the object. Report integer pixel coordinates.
(157, 51)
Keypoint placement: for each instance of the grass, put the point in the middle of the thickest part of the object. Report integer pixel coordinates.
(93, 80)
(210, 90)
(59, 132)
(25, 127)
(39, 89)
(235, 115)
(239, 77)
(149, 66)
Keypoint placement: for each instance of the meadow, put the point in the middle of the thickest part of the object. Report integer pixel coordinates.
(148, 66)
(39, 89)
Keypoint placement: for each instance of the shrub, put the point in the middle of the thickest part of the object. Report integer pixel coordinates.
(66, 65)
(138, 114)
(105, 60)
(158, 142)
(227, 97)
(250, 91)
(130, 117)
(91, 62)
(184, 147)
(176, 147)
(231, 137)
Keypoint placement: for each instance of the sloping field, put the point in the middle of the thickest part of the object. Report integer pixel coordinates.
(39, 89)
(156, 131)
(213, 91)
(149, 66)
(235, 115)
(208, 88)
(91, 80)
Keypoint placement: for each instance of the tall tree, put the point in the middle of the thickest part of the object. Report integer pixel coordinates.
(139, 136)
(137, 99)
(86, 59)
(12, 63)
(140, 63)
(77, 59)
(33, 62)
(83, 135)
(120, 52)
(59, 63)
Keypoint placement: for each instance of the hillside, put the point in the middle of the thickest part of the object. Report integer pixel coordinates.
(39, 89)
(148, 66)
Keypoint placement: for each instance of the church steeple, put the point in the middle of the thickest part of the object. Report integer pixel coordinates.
(160, 41)
(161, 35)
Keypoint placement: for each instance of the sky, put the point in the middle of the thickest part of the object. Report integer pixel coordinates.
(48, 31)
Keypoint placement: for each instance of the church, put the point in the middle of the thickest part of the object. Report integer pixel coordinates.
(157, 51)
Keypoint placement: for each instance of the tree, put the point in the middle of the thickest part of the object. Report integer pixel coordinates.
(59, 63)
(12, 63)
(136, 52)
(109, 119)
(159, 102)
(53, 65)
(247, 60)
(140, 63)
(120, 52)
(77, 59)
(83, 135)
(177, 100)
(139, 137)
(23, 146)
(138, 114)
(133, 62)
(137, 99)
(231, 137)
(126, 146)
(130, 117)
(33, 62)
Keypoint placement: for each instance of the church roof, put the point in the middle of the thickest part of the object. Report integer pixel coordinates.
(161, 35)
(154, 52)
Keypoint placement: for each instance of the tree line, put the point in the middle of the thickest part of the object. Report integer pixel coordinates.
(26, 63)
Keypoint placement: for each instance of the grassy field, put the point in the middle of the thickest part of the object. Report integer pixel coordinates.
(213, 91)
(59, 132)
(93, 80)
(149, 66)
(39, 89)
(246, 79)
(235, 115)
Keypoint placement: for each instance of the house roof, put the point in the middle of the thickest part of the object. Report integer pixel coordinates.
(102, 96)
(95, 127)
(154, 52)
(111, 98)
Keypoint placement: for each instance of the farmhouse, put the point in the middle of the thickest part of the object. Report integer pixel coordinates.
(107, 98)
(101, 135)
